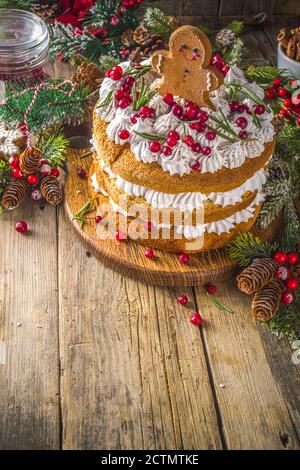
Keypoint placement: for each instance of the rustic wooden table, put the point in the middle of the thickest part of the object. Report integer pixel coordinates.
(90, 359)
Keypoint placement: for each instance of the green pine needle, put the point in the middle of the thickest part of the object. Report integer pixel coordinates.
(53, 145)
(157, 22)
(217, 303)
(246, 247)
(50, 108)
(17, 4)
(81, 215)
(236, 26)
(264, 74)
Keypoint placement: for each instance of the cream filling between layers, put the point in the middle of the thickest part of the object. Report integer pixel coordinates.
(190, 200)
(194, 231)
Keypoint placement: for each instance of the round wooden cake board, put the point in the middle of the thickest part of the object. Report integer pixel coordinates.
(128, 258)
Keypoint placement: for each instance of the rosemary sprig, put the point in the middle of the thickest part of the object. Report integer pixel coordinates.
(86, 209)
(105, 100)
(256, 121)
(219, 304)
(143, 97)
(160, 138)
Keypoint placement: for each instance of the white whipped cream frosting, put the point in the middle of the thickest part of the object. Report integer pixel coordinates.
(223, 153)
(194, 231)
(185, 201)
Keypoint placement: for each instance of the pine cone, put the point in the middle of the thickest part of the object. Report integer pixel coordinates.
(51, 190)
(140, 34)
(257, 275)
(15, 193)
(127, 38)
(225, 38)
(29, 160)
(266, 301)
(47, 12)
(87, 74)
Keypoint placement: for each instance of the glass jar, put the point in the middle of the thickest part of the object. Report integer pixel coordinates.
(24, 46)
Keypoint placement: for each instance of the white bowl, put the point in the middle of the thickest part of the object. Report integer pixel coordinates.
(284, 62)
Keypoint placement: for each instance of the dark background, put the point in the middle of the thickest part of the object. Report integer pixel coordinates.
(192, 10)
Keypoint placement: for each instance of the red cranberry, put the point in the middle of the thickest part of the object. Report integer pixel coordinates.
(234, 106)
(177, 110)
(292, 258)
(116, 73)
(119, 94)
(280, 257)
(225, 69)
(196, 148)
(125, 102)
(123, 134)
(148, 226)
(243, 134)
(192, 111)
(283, 112)
(260, 109)
(211, 289)
(107, 73)
(171, 141)
(196, 319)
(55, 172)
(241, 122)
(282, 91)
(167, 151)
(287, 103)
(14, 161)
(154, 146)
(114, 21)
(17, 173)
(119, 235)
(98, 219)
(129, 81)
(174, 135)
(277, 81)
(188, 140)
(210, 135)
(184, 258)
(21, 226)
(196, 166)
(168, 99)
(145, 112)
(206, 150)
(32, 179)
(183, 299)
(148, 253)
(134, 117)
(269, 93)
(292, 283)
(81, 173)
(202, 116)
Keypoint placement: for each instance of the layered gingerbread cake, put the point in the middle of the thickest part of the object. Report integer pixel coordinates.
(182, 143)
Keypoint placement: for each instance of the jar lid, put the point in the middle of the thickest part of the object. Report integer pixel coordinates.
(24, 39)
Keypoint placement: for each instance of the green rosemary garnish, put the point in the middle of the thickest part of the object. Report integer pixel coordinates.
(106, 100)
(219, 304)
(256, 121)
(160, 138)
(143, 97)
(84, 211)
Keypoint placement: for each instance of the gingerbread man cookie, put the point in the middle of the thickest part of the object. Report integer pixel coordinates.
(185, 68)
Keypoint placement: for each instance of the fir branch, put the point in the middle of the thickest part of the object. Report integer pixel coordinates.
(287, 321)
(53, 145)
(246, 247)
(50, 108)
(269, 211)
(157, 22)
(17, 4)
(265, 73)
(236, 26)
(147, 136)
(108, 62)
(291, 232)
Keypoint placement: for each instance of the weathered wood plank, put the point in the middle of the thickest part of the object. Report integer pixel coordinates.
(29, 392)
(134, 373)
(253, 408)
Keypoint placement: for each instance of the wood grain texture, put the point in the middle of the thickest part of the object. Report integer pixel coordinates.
(252, 405)
(128, 257)
(29, 375)
(132, 364)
